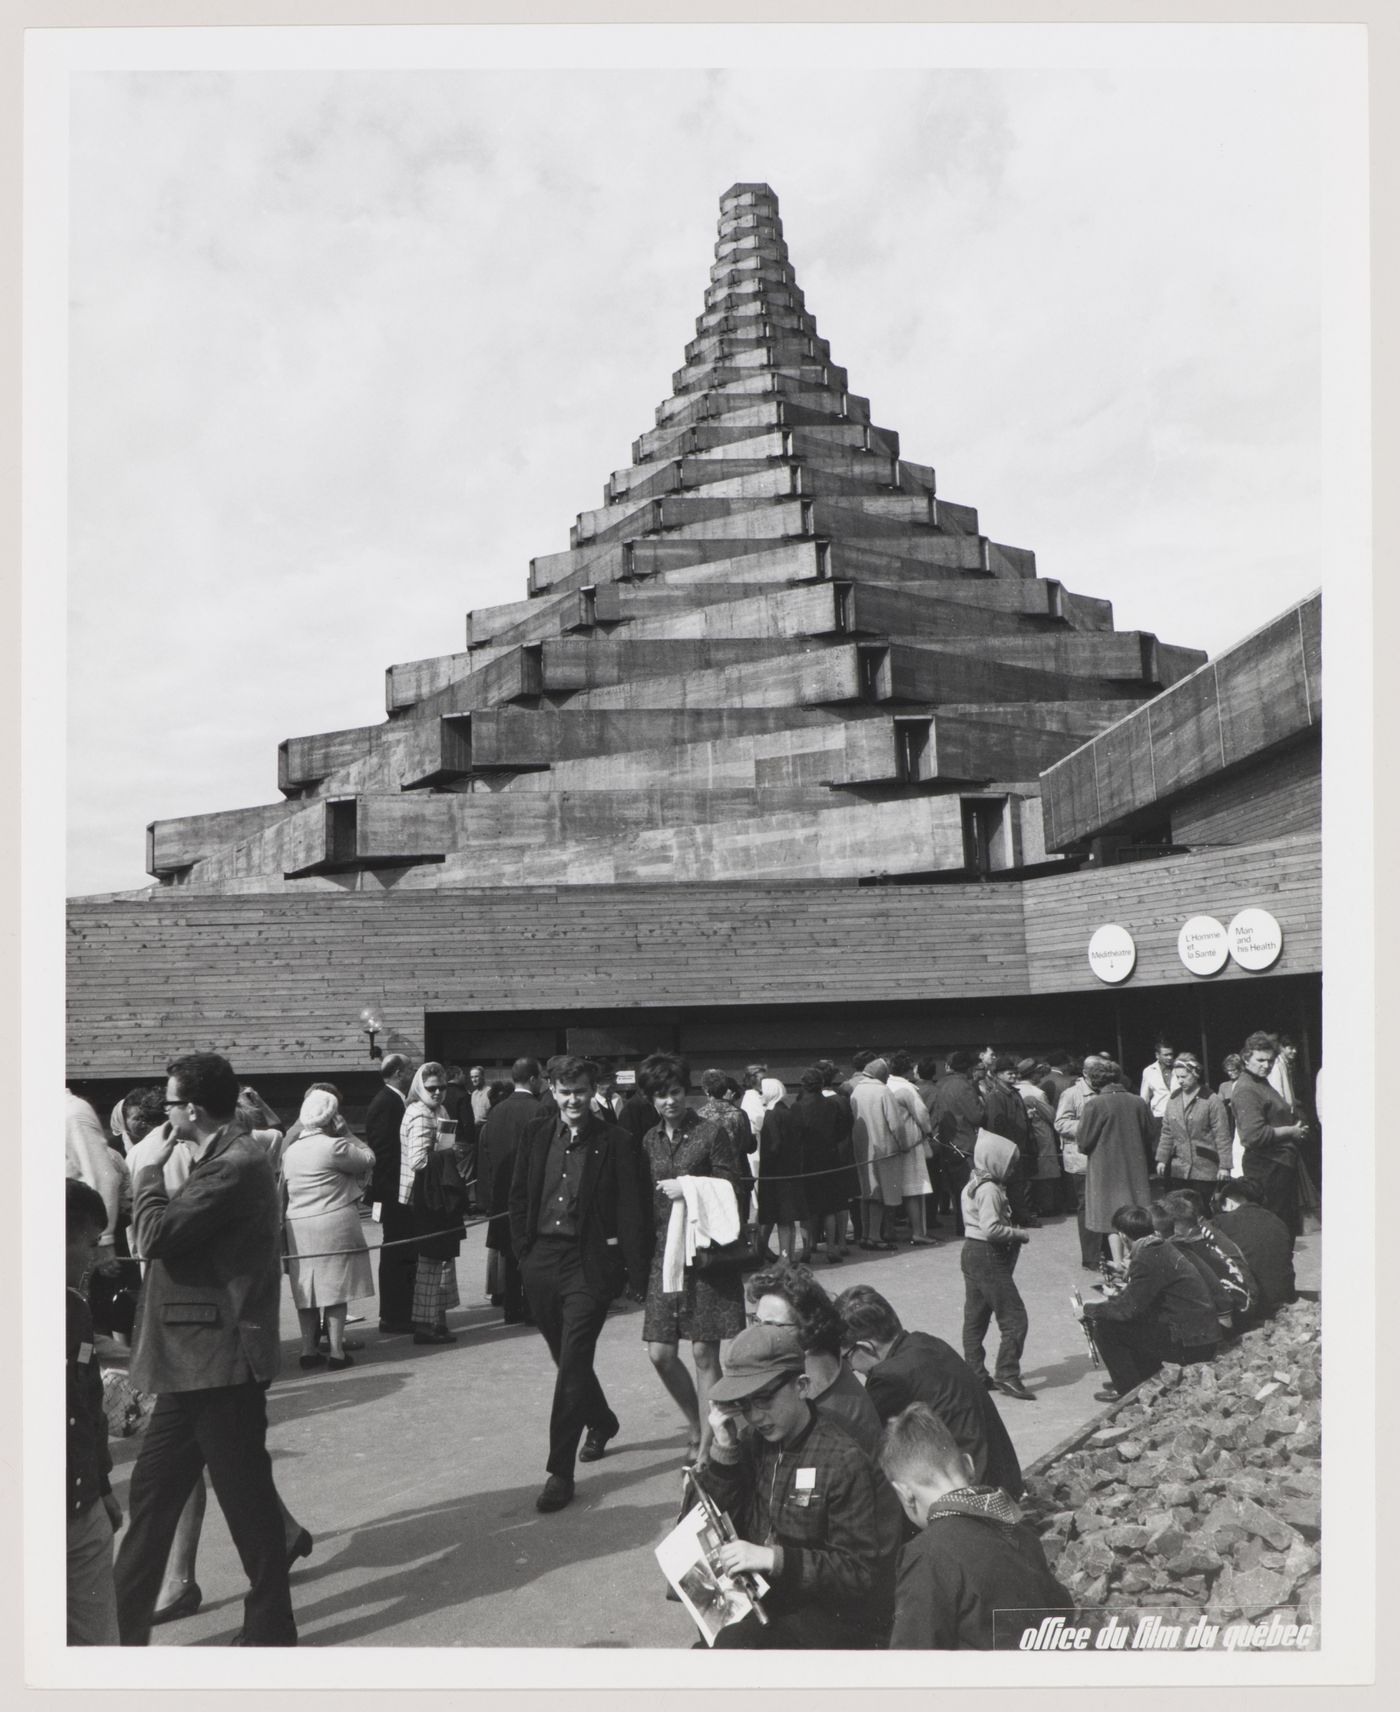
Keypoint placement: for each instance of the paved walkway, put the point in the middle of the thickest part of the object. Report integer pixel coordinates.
(417, 1469)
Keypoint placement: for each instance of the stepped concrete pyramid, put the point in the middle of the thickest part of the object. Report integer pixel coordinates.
(773, 653)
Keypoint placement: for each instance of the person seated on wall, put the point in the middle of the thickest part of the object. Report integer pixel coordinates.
(1219, 1261)
(974, 1558)
(1164, 1311)
(1263, 1239)
(808, 1505)
(903, 1367)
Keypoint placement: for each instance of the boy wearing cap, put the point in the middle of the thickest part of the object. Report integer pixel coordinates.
(813, 1515)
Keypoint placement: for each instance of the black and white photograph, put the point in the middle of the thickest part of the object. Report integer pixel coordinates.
(674, 823)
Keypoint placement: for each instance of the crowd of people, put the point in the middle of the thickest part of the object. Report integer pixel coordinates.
(896, 1525)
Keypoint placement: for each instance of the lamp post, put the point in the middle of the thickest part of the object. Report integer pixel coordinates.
(372, 1023)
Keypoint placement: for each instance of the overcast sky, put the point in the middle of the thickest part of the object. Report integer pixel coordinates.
(348, 349)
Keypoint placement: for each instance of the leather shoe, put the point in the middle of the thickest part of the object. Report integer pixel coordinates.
(185, 1604)
(390, 1328)
(300, 1547)
(1014, 1388)
(595, 1444)
(1107, 1395)
(556, 1494)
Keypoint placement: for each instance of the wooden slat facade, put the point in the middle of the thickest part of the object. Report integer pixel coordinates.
(276, 982)
(1256, 697)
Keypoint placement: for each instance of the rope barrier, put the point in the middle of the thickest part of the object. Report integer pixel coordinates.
(486, 1218)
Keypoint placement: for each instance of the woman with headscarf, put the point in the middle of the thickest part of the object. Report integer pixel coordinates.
(782, 1200)
(324, 1171)
(435, 1282)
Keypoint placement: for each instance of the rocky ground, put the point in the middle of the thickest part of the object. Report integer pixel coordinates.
(1203, 1489)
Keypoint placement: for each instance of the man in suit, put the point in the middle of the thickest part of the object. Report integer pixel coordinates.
(207, 1343)
(397, 1266)
(579, 1226)
(903, 1367)
(497, 1145)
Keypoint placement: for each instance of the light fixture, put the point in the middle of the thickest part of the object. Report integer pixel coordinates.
(372, 1023)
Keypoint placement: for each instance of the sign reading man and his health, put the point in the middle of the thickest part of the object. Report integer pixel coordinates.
(1254, 939)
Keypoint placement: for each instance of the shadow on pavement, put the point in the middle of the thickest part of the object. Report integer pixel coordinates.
(485, 1543)
(1066, 1372)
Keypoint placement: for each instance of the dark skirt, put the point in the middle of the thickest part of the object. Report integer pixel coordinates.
(708, 1310)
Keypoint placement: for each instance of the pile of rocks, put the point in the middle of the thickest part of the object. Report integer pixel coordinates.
(1204, 1490)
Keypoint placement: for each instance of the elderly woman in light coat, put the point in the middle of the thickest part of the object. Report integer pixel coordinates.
(325, 1170)
(875, 1141)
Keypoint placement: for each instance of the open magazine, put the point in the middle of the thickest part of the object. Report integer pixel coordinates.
(688, 1560)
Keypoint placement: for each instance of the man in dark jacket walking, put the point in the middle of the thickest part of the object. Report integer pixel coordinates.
(976, 1576)
(903, 1367)
(207, 1344)
(578, 1227)
(397, 1265)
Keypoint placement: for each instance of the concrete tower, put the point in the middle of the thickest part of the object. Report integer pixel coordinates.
(774, 653)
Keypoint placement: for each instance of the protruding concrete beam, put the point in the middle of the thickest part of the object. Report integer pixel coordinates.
(175, 845)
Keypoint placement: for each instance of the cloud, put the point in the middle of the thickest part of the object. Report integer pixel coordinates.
(349, 348)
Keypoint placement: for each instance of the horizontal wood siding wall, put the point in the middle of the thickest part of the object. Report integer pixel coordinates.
(1153, 899)
(1279, 798)
(277, 982)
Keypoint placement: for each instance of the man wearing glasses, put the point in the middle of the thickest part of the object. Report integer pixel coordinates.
(207, 1342)
(805, 1500)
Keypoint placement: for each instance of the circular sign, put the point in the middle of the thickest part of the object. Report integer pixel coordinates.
(1256, 939)
(1112, 953)
(1203, 945)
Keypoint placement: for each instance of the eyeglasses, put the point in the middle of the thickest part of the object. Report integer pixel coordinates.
(432, 1087)
(758, 1320)
(169, 1103)
(762, 1399)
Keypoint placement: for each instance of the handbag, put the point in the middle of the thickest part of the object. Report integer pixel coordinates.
(721, 1257)
(439, 1203)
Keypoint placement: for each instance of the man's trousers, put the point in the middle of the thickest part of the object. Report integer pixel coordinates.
(988, 1271)
(397, 1266)
(223, 1429)
(570, 1317)
(1090, 1242)
(1133, 1350)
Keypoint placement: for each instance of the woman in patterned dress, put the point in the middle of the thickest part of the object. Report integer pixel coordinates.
(711, 1306)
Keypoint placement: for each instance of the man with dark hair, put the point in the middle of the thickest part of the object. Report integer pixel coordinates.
(1164, 1312)
(975, 1557)
(577, 1228)
(457, 1103)
(497, 1146)
(806, 1504)
(1214, 1256)
(903, 1367)
(93, 1514)
(397, 1264)
(1261, 1236)
(957, 1114)
(207, 1344)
